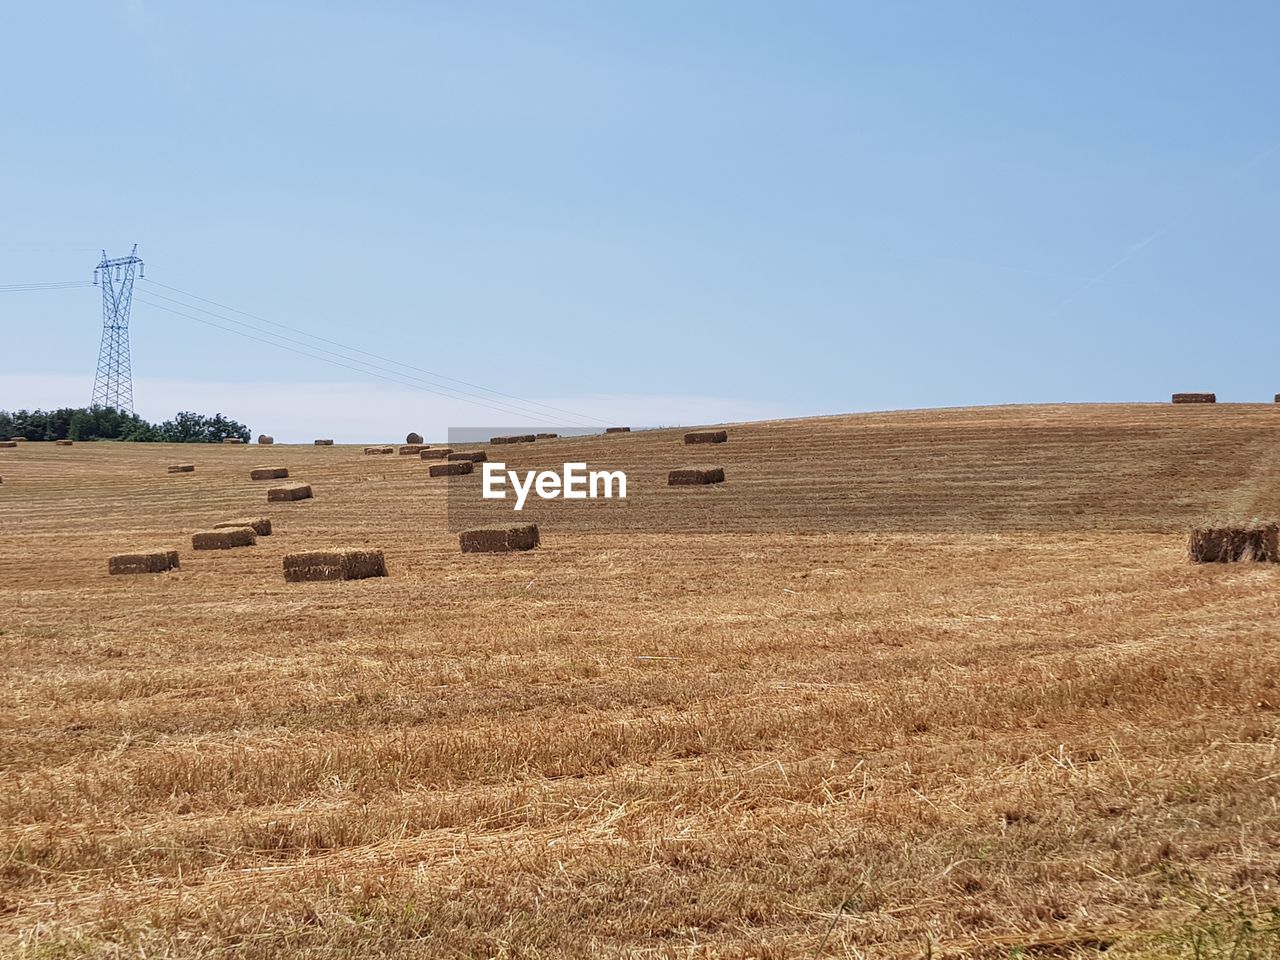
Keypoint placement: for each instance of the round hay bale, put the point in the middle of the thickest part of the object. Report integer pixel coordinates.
(313, 565)
(499, 539)
(224, 539)
(414, 438)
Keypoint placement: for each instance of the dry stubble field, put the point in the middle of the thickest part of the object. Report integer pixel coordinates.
(924, 732)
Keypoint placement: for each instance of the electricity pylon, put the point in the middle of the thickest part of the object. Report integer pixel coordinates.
(113, 383)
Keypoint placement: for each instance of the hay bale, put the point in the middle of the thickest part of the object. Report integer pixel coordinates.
(294, 491)
(323, 443)
(517, 438)
(265, 441)
(475, 456)
(63, 443)
(378, 451)
(617, 430)
(182, 468)
(707, 436)
(410, 449)
(8, 443)
(260, 525)
(232, 440)
(224, 538)
(1195, 398)
(695, 476)
(154, 561)
(268, 473)
(439, 453)
(334, 565)
(414, 438)
(499, 539)
(1257, 541)
(454, 468)
(548, 436)
(18, 439)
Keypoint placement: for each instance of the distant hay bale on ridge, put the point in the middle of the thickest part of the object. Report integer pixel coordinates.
(182, 468)
(516, 438)
(232, 440)
(1195, 398)
(224, 538)
(334, 565)
(475, 456)
(499, 539)
(154, 561)
(378, 451)
(548, 436)
(439, 453)
(63, 443)
(1255, 541)
(454, 468)
(707, 436)
(294, 491)
(695, 476)
(410, 449)
(268, 473)
(260, 525)
(617, 430)
(8, 443)
(264, 440)
(414, 438)
(323, 443)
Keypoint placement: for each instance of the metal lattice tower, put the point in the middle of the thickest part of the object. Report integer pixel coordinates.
(113, 383)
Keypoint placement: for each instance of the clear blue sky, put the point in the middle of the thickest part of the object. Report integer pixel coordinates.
(779, 208)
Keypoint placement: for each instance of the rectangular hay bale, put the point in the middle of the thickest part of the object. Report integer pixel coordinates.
(517, 438)
(695, 476)
(154, 561)
(260, 525)
(409, 449)
(323, 443)
(63, 443)
(439, 453)
(499, 539)
(232, 440)
(378, 451)
(314, 565)
(294, 491)
(224, 539)
(617, 430)
(182, 468)
(548, 436)
(475, 456)
(268, 473)
(1195, 398)
(453, 468)
(1258, 542)
(707, 436)
(8, 443)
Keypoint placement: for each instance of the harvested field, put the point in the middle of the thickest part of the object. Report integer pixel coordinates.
(1005, 717)
(499, 539)
(1195, 398)
(695, 476)
(260, 525)
(475, 456)
(223, 538)
(453, 468)
(269, 473)
(155, 561)
(334, 565)
(707, 436)
(294, 491)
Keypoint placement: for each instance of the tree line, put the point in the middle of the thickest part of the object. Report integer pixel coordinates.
(106, 423)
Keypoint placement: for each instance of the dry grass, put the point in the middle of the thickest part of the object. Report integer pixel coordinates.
(652, 746)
